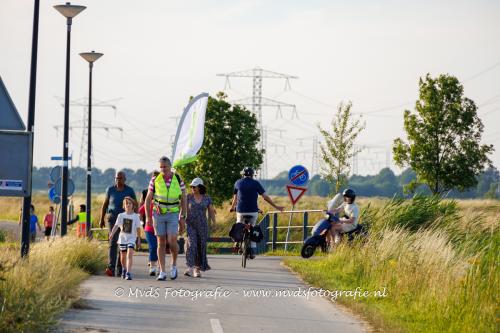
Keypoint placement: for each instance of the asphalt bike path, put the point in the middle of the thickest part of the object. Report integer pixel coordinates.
(227, 298)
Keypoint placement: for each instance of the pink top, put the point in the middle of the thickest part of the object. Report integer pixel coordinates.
(142, 211)
(48, 220)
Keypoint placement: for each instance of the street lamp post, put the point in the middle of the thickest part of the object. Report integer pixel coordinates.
(69, 11)
(26, 217)
(90, 57)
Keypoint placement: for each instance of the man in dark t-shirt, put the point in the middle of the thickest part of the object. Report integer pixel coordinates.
(112, 206)
(245, 195)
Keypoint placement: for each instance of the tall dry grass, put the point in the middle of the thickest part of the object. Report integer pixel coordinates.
(10, 207)
(438, 260)
(34, 290)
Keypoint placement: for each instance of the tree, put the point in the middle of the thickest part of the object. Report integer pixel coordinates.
(230, 144)
(487, 185)
(444, 135)
(338, 149)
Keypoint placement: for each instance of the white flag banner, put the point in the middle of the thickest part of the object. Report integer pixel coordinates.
(189, 137)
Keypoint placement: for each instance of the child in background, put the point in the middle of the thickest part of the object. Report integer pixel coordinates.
(48, 220)
(150, 235)
(130, 226)
(33, 223)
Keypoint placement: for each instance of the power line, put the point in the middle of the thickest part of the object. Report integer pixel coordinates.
(487, 69)
(257, 101)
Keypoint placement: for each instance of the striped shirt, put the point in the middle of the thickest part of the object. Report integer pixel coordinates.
(151, 186)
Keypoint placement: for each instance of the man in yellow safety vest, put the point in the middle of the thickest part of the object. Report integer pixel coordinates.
(167, 192)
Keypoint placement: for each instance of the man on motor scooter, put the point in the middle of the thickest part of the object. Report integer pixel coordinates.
(350, 221)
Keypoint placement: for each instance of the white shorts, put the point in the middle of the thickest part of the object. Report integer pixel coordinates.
(346, 227)
(253, 220)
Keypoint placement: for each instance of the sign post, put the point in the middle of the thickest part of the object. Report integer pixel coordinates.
(299, 177)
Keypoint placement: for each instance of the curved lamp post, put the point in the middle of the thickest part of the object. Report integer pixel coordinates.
(69, 11)
(91, 57)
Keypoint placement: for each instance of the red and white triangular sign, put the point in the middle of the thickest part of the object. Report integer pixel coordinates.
(295, 193)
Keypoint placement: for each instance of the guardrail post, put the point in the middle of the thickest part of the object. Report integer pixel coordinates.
(266, 232)
(264, 226)
(275, 231)
(304, 227)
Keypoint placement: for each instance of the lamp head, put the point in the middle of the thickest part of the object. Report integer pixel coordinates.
(91, 56)
(68, 10)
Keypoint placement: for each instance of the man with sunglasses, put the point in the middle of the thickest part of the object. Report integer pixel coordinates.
(112, 206)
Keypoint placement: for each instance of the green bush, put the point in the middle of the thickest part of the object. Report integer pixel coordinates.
(417, 213)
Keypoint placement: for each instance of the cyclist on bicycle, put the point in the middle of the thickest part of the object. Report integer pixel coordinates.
(245, 195)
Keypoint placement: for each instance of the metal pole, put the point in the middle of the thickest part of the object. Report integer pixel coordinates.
(304, 226)
(275, 231)
(288, 230)
(64, 199)
(26, 215)
(89, 153)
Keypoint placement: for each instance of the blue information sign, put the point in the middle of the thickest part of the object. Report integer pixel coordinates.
(298, 175)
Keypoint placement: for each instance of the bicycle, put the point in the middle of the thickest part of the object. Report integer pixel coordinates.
(243, 233)
(245, 246)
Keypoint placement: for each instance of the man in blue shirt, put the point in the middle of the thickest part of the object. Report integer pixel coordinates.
(245, 196)
(112, 206)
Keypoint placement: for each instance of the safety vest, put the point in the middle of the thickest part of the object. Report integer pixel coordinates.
(167, 199)
(81, 226)
(82, 217)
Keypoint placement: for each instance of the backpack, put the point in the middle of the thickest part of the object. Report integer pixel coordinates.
(237, 231)
(256, 234)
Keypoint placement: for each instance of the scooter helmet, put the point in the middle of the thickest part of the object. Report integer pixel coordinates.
(248, 172)
(349, 193)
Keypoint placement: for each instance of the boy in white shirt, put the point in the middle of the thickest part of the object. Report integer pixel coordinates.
(130, 225)
(351, 210)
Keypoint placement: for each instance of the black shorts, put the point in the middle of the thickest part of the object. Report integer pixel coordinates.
(48, 231)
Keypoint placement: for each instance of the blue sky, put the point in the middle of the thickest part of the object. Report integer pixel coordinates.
(158, 53)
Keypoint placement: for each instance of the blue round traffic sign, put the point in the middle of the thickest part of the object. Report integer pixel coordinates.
(298, 175)
(52, 193)
(53, 197)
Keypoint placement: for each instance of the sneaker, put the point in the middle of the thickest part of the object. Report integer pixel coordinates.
(188, 272)
(109, 272)
(162, 276)
(173, 273)
(124, 274)
(152, 271)
(197, 273)
(128, 276)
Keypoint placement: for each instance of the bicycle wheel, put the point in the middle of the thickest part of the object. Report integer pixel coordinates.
(245, 246)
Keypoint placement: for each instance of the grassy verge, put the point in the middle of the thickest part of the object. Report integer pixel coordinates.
(34, 291)
(439, 267)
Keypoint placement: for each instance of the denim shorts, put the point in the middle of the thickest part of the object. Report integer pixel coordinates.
(166, 224)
